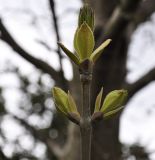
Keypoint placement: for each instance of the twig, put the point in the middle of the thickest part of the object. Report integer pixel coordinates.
(55, 20)
(85, 124)
(43, 66)
(120, 18)
(139, 84)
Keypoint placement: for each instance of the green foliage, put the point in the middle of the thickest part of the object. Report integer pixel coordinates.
(71, 55)
(96, 54)
(60, 100)
(84, 58)
(84, 39)
(72, 104)
(84, 46)
(98, 101)
(113, 102)
(65, 103)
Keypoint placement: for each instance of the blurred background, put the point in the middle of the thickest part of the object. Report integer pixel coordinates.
(31, 64)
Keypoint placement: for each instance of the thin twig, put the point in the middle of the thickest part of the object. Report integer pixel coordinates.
(40, 64)
(55, 21)
(85, 124)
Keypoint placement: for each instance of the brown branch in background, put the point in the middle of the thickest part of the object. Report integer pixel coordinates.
(55, 22)
(139, 84)
(44, 44)
(120, 18)
(144, 11)
(43, 66)
(136, 11)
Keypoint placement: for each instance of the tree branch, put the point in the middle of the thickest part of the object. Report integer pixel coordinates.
(55, 21)
(144, 11)
(43, 66)
(139, 84)
(128, 10)
(120, 18)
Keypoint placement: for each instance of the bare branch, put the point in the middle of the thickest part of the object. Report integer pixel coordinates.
(45, 45)
(55, 21)
(126, 12)
(120, 18)
(144, 11)
(139, 84)
(43, 66)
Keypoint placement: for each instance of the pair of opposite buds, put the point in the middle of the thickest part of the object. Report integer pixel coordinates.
(112, 104)
(84, 39)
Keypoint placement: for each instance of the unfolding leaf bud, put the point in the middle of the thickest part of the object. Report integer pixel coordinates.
(65, 104)
(86, 15)
(84, 42)
(98, 101)
(71, 104)
(60, 99)
(84, 39)
(71, 55)
(113, 102)
(96, 54)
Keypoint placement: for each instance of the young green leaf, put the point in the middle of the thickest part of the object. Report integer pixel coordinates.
(72, 105)
(60, 99)
(72, 56)
(75, 42)
(98, 101)
(110, 113)
(114, 100)
(96, 54)
(84, 41)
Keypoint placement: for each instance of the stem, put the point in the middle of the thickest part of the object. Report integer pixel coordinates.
(85, 123)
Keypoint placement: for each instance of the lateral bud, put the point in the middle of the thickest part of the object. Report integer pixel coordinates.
(97, 116)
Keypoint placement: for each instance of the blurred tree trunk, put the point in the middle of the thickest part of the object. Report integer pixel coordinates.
(109, 72)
